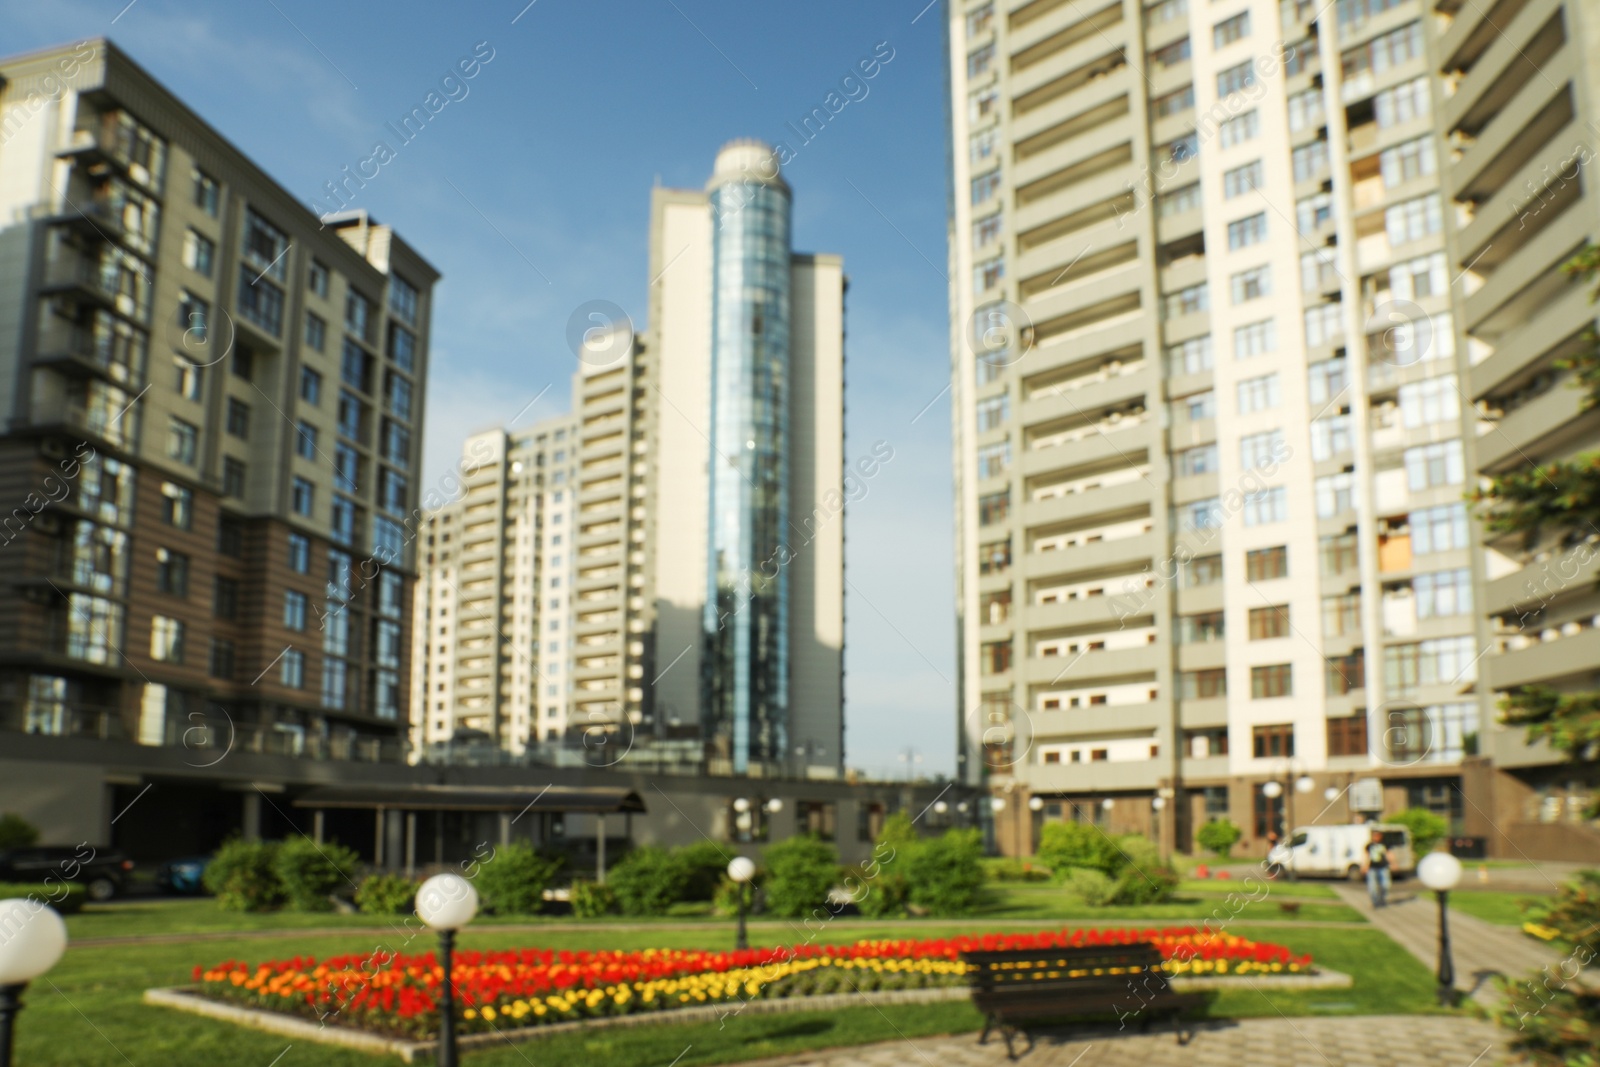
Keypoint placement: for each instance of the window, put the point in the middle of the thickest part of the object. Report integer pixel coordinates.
(242, 364)
(1346, 674)
(207, 193)
(1247, 231)
(1230, 30)
(346, 468)
(225, 598)
(1165, 11)
(994, 557)
(1271, 681)
(1443, 593)
(172, 572)
(1252, 284)
(300, 553)
(1327, 380)
(1189, 357)
(994, 507)
(305, 440)
(1197, 629)
(177, 505)
(1272, 741)
(1186, 301)
(234, 477)
(397, 395)
(1436, 733)
(1311, 212)
(1412, 220)
(343, 521)
(396, 445)
(1184, 198)
(1259, 450)
(1330, 437)
(1319, 270)
(294, 610)
(316, 331)
(1255, 338)
(1441, 661)
(1309, 160)
(350, 415)
(1407, 161)
(1239, 129)
(1201, 571)
(317, 278)
(1341, 615)
(333, 682)
(222, 658)
(1203, 685)
(1199, 460)
(1265, 564)
(1198, 515)
(292, 669)
(1197, 406)
(182, 437)
(199, 253)
(983, 103)
(1420, 277)
(1268, 812)
(985, 186)
(1433, 465)
(988, 229)
(392, 492)
(303, 496)
(1180, 149)
(1236, 78)
(1266, 506)
(1269, 623)
(980, 60)
(258, 300)
(360, 315)
(310, 386)
(1171, 55)
(994, 460)
(1173, 103)
(988, 273)
(1336, 493)
(230, 538)
(238, 418)
(1337, 553)
(166, 639)
(993, 412)
(1259, 394)
(355, 367)
(403, 299)
(1402, 103)
(1305, 110)
(1242, 180)
(1347, 736)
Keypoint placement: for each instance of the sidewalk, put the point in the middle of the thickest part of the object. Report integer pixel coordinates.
(1479, 949)
(1318, 1041)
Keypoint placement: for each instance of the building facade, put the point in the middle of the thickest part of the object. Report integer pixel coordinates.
(1213, 430)
(214, 405)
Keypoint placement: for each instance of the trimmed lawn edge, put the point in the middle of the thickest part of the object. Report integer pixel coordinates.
(183, 998)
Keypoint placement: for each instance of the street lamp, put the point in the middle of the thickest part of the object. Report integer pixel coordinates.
(997, 804)
(447, 902)
(1036, 804)
(1440, 872)
(34, 939)
(741, 869)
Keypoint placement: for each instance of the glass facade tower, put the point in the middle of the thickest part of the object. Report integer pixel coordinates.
(745, 669)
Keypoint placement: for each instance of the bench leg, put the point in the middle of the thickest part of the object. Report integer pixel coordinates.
(988, 1024)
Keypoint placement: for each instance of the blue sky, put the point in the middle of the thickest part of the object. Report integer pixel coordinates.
(584, 105)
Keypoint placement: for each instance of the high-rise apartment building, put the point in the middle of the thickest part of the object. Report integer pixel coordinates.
(214, 407)
(705, 533)
(1213, 437)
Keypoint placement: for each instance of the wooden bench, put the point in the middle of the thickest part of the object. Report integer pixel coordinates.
(1020, 986)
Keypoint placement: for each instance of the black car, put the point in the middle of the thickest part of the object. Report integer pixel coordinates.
(102, 872)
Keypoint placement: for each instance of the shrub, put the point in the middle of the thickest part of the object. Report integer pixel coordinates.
(1219, 836)
(386, 894)
(649, 881)
(1074, 844)
(879, 886)
(64, 897)
(242, 876)
(801, 870)
(1426, 829)
(1554, 1022)
(1089, 884)
(1010, 869)
(1575, 912)
(725, 901)
(1144, 885)
(17, 832)
(514, 879)
(704, 864)
(946, 873)
(310, 873)
(591, 900)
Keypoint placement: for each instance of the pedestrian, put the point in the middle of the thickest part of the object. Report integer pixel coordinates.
(1375, 865)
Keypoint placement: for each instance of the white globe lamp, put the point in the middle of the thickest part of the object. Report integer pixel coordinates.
(1441, 872)
(741, 869)
(447, 902)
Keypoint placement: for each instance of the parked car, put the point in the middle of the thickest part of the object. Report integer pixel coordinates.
(102, 872)
(1338, 851)
(183, 875)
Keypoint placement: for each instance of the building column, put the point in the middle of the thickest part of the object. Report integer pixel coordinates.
(505, 828)
(317, 822)
(377, 837)
(411, 844)
(252, 816)
(600, 848)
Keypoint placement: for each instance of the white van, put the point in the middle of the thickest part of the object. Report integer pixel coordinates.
(1338, 851)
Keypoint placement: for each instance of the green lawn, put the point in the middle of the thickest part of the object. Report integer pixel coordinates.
(1494, 906)
(89, 1014)
(1049, 902)
(1222, 886)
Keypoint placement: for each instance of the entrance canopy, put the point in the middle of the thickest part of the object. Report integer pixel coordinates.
(599, 800)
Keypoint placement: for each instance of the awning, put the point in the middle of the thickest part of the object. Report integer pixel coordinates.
(598, 800)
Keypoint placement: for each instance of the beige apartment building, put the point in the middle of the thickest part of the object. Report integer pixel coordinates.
(1215, 382)
(214, 405)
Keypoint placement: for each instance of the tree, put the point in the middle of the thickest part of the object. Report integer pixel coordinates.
(310, 873)
(945, 874)
(1063, 845)
(801, 870)
(649, 881)
(1219, 836)
(1426, 829)
(1556, 500)
(17, 832)
(514, 879)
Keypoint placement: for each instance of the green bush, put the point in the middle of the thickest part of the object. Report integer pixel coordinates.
(386, 894)
(17, 832)
(725, 902)
(1218, 836)
(513, 880)
(242, 876)
(800, 871)
(946, 873)
(704, 863)
(879, 886)
(311, 873)
(591, 900)
(1011, 869)
(1575, 911)
(1145, 885)
(1426, 829)
(1074, 844)
(1091, 885)
(64, 897)
(1554, 1022)
(649, 881)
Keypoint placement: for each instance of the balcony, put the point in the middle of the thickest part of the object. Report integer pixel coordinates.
(75, 349)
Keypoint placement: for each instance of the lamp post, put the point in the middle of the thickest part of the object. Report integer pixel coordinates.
(741, 869)
(1440, 872)
(32, 939)
(447, 902)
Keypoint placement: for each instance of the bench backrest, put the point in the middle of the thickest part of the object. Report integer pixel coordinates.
(1030, 969)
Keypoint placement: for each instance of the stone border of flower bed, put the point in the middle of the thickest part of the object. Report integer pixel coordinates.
(184, 998)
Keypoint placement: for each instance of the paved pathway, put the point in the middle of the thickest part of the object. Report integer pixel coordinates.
(1369, 1041)
(1479, 949)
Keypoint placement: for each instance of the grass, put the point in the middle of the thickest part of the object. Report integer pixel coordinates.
(88, 1012)
(1048, 902)
(1493, 906)
(1223, 886)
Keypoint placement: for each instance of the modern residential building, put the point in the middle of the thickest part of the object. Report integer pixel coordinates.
(214, 405)
(705, 539)
(1212, 439)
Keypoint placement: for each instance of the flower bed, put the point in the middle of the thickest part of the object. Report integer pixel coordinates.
(393, 993)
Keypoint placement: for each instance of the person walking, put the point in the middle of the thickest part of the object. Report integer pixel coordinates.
(1375, 865)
